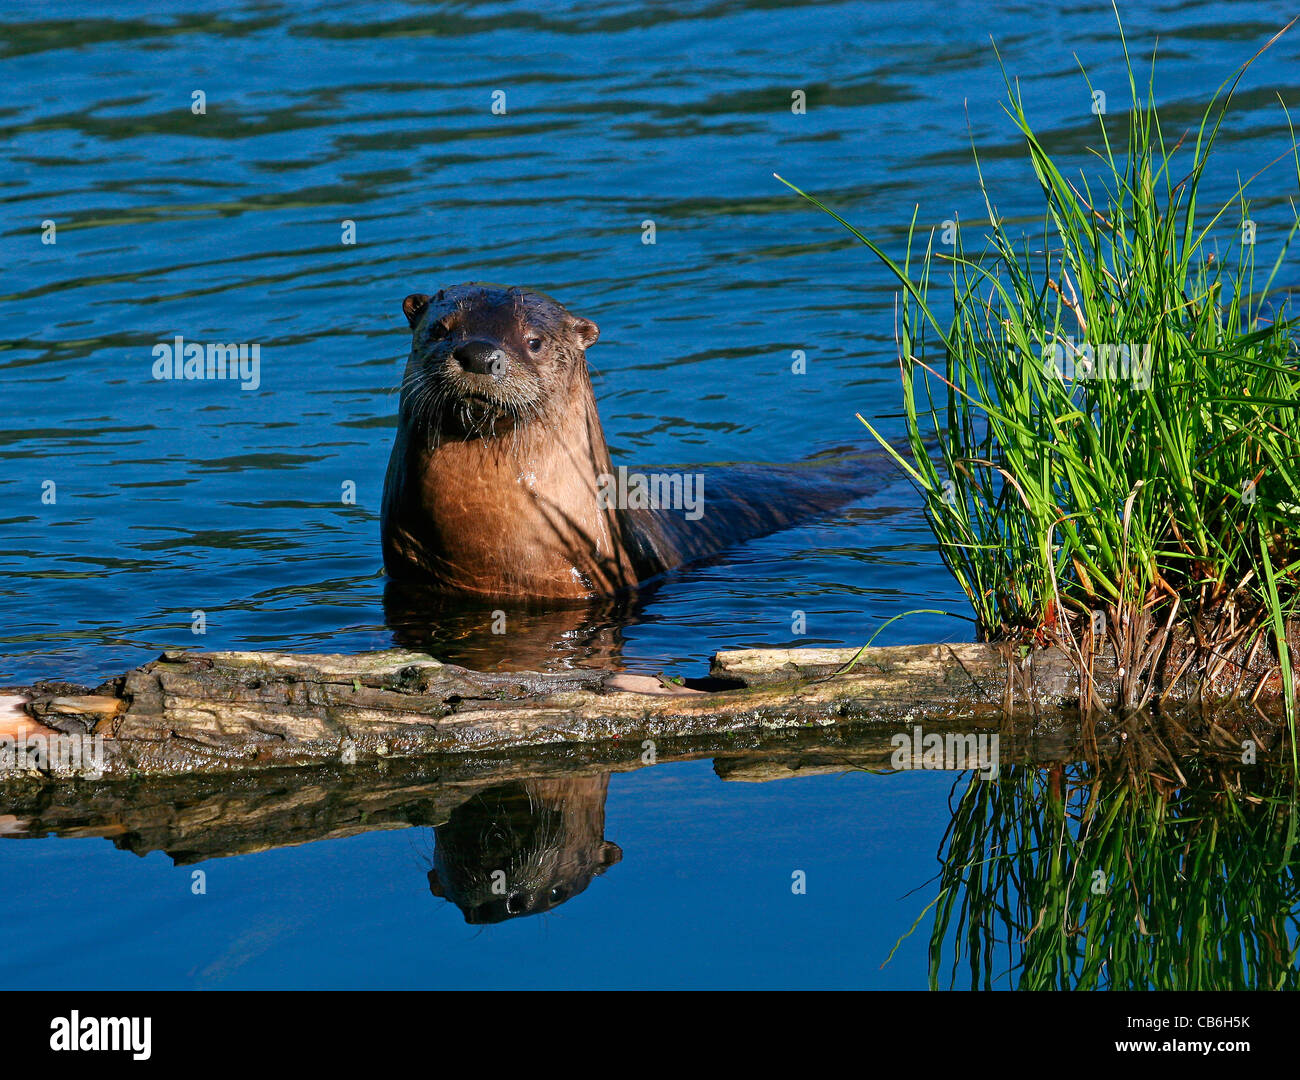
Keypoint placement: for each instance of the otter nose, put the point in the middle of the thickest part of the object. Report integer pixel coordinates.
(479, 357)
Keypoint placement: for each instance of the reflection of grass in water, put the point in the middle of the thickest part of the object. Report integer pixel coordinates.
(1079, 877)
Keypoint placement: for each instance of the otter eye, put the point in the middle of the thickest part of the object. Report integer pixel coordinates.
(534, 344)
(437, 330)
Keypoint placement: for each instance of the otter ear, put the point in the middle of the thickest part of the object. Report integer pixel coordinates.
(413, 307)
(586, 331)
(435, 886)
(610, 853)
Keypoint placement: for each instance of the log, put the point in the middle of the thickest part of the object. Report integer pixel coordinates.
(223, 712)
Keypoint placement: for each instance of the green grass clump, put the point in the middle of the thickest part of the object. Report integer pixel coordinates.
(1155, 489)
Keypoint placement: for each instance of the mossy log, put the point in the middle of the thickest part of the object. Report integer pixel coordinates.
(235, 711)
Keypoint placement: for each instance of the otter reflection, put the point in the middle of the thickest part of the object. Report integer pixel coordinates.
(523, 848)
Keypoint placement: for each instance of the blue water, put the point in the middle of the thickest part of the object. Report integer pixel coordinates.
(702, 898)
(181, 497)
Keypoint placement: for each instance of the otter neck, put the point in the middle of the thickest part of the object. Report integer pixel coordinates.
(516, 513)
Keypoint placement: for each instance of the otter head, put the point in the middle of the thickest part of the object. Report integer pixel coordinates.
(486, 360)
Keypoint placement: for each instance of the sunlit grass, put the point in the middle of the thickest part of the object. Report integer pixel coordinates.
(1156, 491)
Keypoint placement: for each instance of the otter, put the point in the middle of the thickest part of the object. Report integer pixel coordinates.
(500, 482)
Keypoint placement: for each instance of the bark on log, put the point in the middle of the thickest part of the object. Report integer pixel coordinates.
(234, 711)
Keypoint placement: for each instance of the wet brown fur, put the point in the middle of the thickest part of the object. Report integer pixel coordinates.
(491, 486)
